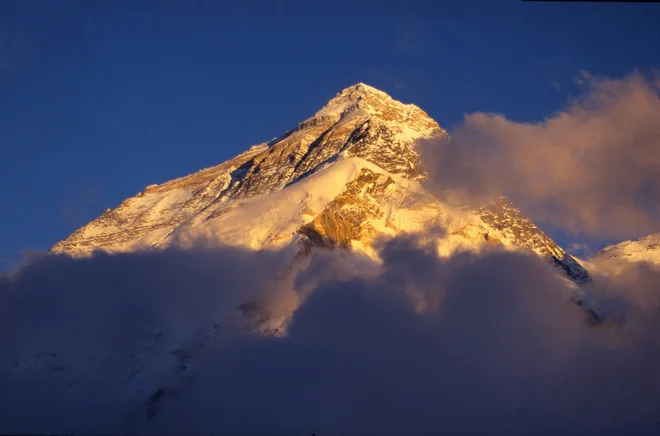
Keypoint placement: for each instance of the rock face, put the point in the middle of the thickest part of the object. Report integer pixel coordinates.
(340, 179)
(503, 216)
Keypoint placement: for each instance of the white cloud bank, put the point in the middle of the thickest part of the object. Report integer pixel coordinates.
(145, 343)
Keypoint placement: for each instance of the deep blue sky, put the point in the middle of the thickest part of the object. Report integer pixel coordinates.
(100, 99)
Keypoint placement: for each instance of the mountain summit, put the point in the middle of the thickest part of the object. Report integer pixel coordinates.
(341, 178)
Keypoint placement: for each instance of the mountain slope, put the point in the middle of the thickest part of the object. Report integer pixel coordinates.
(342, 178)
(646, 249)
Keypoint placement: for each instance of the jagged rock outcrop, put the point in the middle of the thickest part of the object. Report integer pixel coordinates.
(503, 216)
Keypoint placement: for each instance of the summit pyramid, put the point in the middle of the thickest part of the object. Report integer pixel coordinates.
(340, 179)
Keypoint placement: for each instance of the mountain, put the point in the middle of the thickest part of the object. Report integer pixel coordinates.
(646, 249)
(340, 179)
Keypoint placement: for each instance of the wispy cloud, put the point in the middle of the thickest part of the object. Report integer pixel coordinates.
(151, 342)
(591, 169)
(556, 85)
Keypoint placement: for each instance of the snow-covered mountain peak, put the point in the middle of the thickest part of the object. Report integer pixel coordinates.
(646, 249)
(360, 92)
(362, 100)
(342, 178)
(363, 88)
(359, 122)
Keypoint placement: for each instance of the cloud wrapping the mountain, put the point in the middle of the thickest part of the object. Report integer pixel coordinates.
(488, 342)
(592, 169)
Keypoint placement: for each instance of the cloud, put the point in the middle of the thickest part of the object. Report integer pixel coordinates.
(556, 85)
(592, 169)
(639, 282)
(154, 343)
(95, 332)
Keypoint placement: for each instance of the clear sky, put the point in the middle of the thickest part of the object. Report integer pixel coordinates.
(100, 99)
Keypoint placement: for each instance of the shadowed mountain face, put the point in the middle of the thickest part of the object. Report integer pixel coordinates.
(342, 178)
